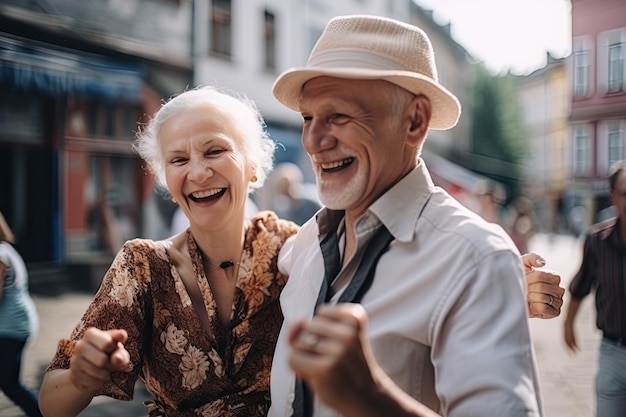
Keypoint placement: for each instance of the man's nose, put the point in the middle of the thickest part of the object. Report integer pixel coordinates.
(318, 136)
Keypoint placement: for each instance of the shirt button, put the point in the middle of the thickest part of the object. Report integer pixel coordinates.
(291, 397)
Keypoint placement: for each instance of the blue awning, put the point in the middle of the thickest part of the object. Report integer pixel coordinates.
(60, 72)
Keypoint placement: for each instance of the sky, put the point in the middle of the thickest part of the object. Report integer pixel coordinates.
(507, 34)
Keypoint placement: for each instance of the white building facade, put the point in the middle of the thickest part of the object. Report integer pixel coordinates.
(243, 45)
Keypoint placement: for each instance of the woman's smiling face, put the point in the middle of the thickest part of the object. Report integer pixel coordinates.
(205, 170)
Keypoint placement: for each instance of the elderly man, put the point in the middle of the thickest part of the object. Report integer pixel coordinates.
(442, 321)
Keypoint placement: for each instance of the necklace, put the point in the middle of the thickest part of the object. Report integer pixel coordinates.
(222, 265)
(226, 264)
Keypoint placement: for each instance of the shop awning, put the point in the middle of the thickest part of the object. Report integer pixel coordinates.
(60, 72)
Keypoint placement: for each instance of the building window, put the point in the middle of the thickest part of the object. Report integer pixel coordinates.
(581, 68)
(269, 34)
(611, 56)
(611, 143)
(615, 139)
(221, 28)
(21, 116)
(102, 210)
(581, 150)
(111, 120)
(616, 68)
(614, 142)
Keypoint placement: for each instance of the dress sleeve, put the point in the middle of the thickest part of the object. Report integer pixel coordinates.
(120, 303)
(482, 351)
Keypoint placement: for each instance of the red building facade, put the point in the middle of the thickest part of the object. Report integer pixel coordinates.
(598, 108)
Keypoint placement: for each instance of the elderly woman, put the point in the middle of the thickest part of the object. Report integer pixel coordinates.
(196, 316)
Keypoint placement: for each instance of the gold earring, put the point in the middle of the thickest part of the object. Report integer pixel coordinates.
(254, 179)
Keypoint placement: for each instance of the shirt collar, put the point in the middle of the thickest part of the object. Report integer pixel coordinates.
(398, 209)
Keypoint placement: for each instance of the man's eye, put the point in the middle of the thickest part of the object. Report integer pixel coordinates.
(339, 118)
(307, 118)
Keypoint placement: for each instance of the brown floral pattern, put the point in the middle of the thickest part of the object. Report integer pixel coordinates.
(225, 372)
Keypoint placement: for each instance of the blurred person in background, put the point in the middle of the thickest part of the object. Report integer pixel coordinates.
(285, 194)
(18, 322)
(521, 222)
(490, 198)
(196, 316)
(603, 270)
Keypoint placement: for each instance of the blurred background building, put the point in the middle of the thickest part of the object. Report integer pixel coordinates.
(545, 100)
(76, 77)
(598, 104)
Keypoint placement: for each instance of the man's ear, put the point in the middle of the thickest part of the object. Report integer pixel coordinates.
(420, 114)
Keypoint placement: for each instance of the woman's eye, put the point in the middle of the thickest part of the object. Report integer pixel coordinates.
(215, 151)
(178, 161)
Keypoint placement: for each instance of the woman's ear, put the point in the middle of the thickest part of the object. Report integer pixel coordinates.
(420, 114)
(252, 170)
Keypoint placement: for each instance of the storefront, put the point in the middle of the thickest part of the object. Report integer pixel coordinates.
(70, 181)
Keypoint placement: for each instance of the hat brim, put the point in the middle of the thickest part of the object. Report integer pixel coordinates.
(446, 108)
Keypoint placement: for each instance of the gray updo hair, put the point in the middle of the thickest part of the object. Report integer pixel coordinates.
(239, 113)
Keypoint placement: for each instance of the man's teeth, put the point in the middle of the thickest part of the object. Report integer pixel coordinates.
(208, 193)
(336, 164)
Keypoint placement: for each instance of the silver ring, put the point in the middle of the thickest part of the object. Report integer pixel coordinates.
(551, 300)
(309, 339)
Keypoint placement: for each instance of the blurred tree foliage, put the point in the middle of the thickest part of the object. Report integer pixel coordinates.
(497, 139)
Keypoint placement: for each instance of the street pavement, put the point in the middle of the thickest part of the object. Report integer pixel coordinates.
(566, 379)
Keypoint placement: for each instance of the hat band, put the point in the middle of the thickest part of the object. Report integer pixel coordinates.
(363, 60)
(354, 59)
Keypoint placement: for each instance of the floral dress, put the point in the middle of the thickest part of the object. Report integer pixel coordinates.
(188, 371)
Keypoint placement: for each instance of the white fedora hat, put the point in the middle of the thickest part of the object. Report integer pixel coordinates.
(372, 47)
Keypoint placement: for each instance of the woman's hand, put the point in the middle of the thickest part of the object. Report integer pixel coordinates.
(543, 290)
(95, 356)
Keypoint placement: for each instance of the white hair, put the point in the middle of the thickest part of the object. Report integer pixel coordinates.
(236, 111)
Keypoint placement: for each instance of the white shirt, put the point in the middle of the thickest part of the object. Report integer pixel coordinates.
(447, 309)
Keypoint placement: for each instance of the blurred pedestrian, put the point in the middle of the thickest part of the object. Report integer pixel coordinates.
(490, 197)
(18, 322)
(603, 269)
(521, 222)
(285, 194)
(196, 316)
